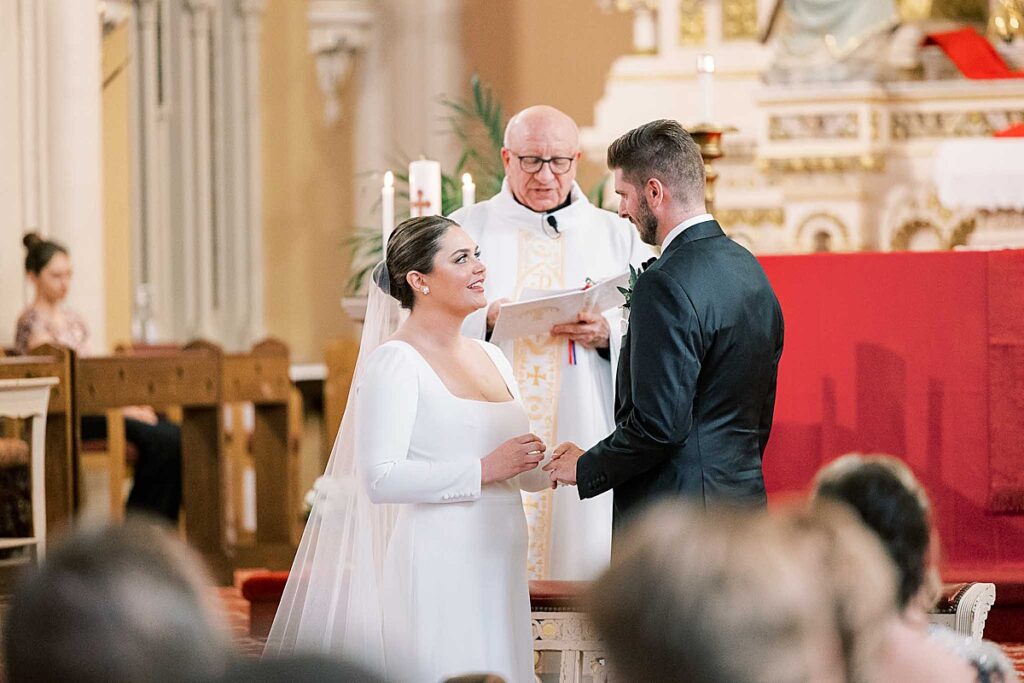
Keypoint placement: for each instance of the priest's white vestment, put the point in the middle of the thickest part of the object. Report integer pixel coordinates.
(570, 539)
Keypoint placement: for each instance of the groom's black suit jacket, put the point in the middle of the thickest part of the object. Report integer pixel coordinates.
(695, 389)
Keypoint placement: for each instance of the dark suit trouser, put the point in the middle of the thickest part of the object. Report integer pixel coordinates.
(157, 487)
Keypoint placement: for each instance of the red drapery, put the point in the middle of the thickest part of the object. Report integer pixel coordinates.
(918, 355)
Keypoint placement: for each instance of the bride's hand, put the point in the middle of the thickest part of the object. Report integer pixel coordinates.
(515, 456)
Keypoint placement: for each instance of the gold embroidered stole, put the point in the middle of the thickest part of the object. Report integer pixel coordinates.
(536, 361)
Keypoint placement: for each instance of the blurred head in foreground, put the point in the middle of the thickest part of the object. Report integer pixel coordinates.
(734, 596)
(124, 603)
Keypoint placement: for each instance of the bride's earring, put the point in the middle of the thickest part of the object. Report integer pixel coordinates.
(425, 290)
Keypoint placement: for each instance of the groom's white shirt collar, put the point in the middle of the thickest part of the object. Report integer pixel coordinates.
(678, 230)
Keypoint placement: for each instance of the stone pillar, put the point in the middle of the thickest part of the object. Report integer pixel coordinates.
(14, 217)
(153, 314)
(73, 157)
(409, 58)
(196, 92)
(250, 241)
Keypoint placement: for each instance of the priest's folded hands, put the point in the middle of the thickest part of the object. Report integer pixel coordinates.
(591, 329)
(562, 466)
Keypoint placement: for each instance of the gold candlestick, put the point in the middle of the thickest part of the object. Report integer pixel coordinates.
(709, 137)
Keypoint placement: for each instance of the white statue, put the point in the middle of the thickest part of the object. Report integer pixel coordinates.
(830, 40)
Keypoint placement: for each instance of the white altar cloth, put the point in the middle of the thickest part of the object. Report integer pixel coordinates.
(983, 174)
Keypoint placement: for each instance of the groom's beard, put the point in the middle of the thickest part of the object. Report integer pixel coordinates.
(646, 223)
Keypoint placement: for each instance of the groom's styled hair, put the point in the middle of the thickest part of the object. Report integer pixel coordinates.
(661, 149)
(412, 247)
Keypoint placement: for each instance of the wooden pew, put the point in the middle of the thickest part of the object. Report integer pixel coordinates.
(261, 377)
(61, 426)
(340, 357)
(191, 379)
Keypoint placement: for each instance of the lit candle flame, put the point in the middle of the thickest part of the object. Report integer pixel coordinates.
(389, 179)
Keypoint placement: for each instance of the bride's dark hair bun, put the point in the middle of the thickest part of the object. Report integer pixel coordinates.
(379, 275)
(39, 252)
(411, 247)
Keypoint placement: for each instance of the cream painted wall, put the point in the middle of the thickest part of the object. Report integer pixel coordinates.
(308, 177)
(544, 52)
(117, 190)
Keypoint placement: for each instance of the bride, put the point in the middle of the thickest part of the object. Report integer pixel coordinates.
(413, 560)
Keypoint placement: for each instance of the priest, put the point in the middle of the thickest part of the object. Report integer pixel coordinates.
(541, 232)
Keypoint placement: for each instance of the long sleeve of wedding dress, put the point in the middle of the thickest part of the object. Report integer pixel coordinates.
(388, 396)
(536, 479)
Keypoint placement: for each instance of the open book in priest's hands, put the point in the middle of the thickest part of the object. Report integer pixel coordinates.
(538, 310)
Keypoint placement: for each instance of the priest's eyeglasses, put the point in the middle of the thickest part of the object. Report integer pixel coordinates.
(558, 165)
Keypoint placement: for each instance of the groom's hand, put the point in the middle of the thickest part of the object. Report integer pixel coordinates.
(562, 467)
(591, 330)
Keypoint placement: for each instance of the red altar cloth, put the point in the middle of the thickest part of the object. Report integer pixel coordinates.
(973, 55)
(919, 355)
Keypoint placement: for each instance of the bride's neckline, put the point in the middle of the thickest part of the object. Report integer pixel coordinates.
(444, 386)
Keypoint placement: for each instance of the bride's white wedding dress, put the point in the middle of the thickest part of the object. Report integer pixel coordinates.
(455, 596)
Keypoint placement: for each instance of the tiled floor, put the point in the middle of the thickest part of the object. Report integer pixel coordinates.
(236, 610)
(1015, 651)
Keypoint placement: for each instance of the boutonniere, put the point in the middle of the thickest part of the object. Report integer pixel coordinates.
(627, 291)
(634, 275)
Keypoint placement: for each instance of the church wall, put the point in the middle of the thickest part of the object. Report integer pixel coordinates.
(307, 202)
(540, 52)
(117, 197)
(12, 281)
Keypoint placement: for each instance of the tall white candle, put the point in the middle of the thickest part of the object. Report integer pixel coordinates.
(468, 190)
(705, 80)
(645, 30)
(387, 207)
(424, 188)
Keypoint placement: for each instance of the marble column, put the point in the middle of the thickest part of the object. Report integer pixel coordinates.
(16, 186)
(73, 153)
(250, 242)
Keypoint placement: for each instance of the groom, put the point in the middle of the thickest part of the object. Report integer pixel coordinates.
(695, 388)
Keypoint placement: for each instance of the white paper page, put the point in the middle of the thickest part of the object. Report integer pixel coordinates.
(538, 315)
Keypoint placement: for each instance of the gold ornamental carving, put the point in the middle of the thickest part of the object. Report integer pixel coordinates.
(691, 22)
(823, 220)
(963, 11)
(832, 164)
(901, 238)
(951, 124)
(625, 6)
(935, 207)
(840, 126)
(1006, 22)
(963, 230)
(751, 217)
(739, 19)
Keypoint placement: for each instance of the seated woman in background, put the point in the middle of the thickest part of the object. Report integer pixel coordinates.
(892, 503)
(157, 487)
